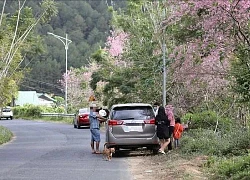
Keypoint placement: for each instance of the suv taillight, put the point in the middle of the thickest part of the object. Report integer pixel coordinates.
(150, 121)
(115, 122)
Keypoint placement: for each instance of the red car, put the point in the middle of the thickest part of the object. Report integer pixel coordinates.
(81, 118)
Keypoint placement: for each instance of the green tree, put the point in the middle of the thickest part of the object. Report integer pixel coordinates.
(16, 41)
(135, 75)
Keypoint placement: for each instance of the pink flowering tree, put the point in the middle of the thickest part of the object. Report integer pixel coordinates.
(207, 35)
(91, 80)
(115, 43)
(110, 63)
(78, 88)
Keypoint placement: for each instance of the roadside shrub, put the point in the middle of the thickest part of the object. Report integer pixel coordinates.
(35, 111)
(207, 120)
(236, 168)
(5, 135)
(206, 142)
(199, 141)
(27, 111)
(18, 111)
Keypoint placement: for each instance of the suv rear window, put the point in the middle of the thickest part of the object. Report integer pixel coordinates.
(6, 110)
(130, 112)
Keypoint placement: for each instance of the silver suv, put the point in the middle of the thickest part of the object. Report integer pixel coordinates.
(131, 126)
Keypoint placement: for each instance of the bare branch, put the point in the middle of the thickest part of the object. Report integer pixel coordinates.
(238, 24)
(7, 59)
(1, 18)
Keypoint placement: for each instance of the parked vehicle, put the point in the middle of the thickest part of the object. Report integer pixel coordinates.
(132, 126)
(6, 113)
(81, 118)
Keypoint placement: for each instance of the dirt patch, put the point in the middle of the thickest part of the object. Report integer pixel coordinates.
(166, 167)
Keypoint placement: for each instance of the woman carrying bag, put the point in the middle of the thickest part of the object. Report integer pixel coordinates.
(162, 130)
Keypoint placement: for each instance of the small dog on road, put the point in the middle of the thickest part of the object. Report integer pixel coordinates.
(107, 152)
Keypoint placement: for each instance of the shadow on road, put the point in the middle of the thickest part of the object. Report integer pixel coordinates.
(129, 153)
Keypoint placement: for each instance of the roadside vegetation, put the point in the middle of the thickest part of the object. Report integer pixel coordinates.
(32, 112)
(5, 135)
(226, 151)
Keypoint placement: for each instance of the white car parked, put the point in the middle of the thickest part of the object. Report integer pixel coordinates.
(6, 113)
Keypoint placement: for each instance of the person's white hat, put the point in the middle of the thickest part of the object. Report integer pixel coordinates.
(102, 113)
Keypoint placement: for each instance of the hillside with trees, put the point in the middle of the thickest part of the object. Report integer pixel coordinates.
(87, 26)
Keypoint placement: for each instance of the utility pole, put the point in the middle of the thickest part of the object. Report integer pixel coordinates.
(65, 42)
(164, 76)
(164, 93)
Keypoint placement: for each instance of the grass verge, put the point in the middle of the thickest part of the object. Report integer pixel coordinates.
(66, 120)
(227, 152)
(5, 135)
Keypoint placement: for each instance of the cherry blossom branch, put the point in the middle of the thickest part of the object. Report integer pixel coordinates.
(238, 23)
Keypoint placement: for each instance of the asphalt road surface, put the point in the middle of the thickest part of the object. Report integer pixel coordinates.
(54, 151)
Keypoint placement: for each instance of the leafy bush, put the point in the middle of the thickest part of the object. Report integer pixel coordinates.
(236, 168)
(35, 111)
(203, 141)
(5, 135)
(200, 141)
(207, 120)
(27, 111)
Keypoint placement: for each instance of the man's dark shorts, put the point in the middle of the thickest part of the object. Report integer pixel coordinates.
(95, 135)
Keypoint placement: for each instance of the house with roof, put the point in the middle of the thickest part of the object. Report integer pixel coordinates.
(45, 99)
(34, 98)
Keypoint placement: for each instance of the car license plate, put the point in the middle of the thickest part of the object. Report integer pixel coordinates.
(133, 128)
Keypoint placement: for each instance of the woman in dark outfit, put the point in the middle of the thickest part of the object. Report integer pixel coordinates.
(162, 129)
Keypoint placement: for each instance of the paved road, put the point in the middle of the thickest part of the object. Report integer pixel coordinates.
(53, 151)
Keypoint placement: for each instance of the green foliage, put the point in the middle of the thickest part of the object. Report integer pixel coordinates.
(8, 90)
(27, 111)
(181, 32)
(100, 56)
(35, 111)
(224, 143)
(199, 141)
(138, 78)
(50, 9)
(234, 168)
(5, 135)
(240, 71)
(207, 120)
(59, 100)
(18, 41)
